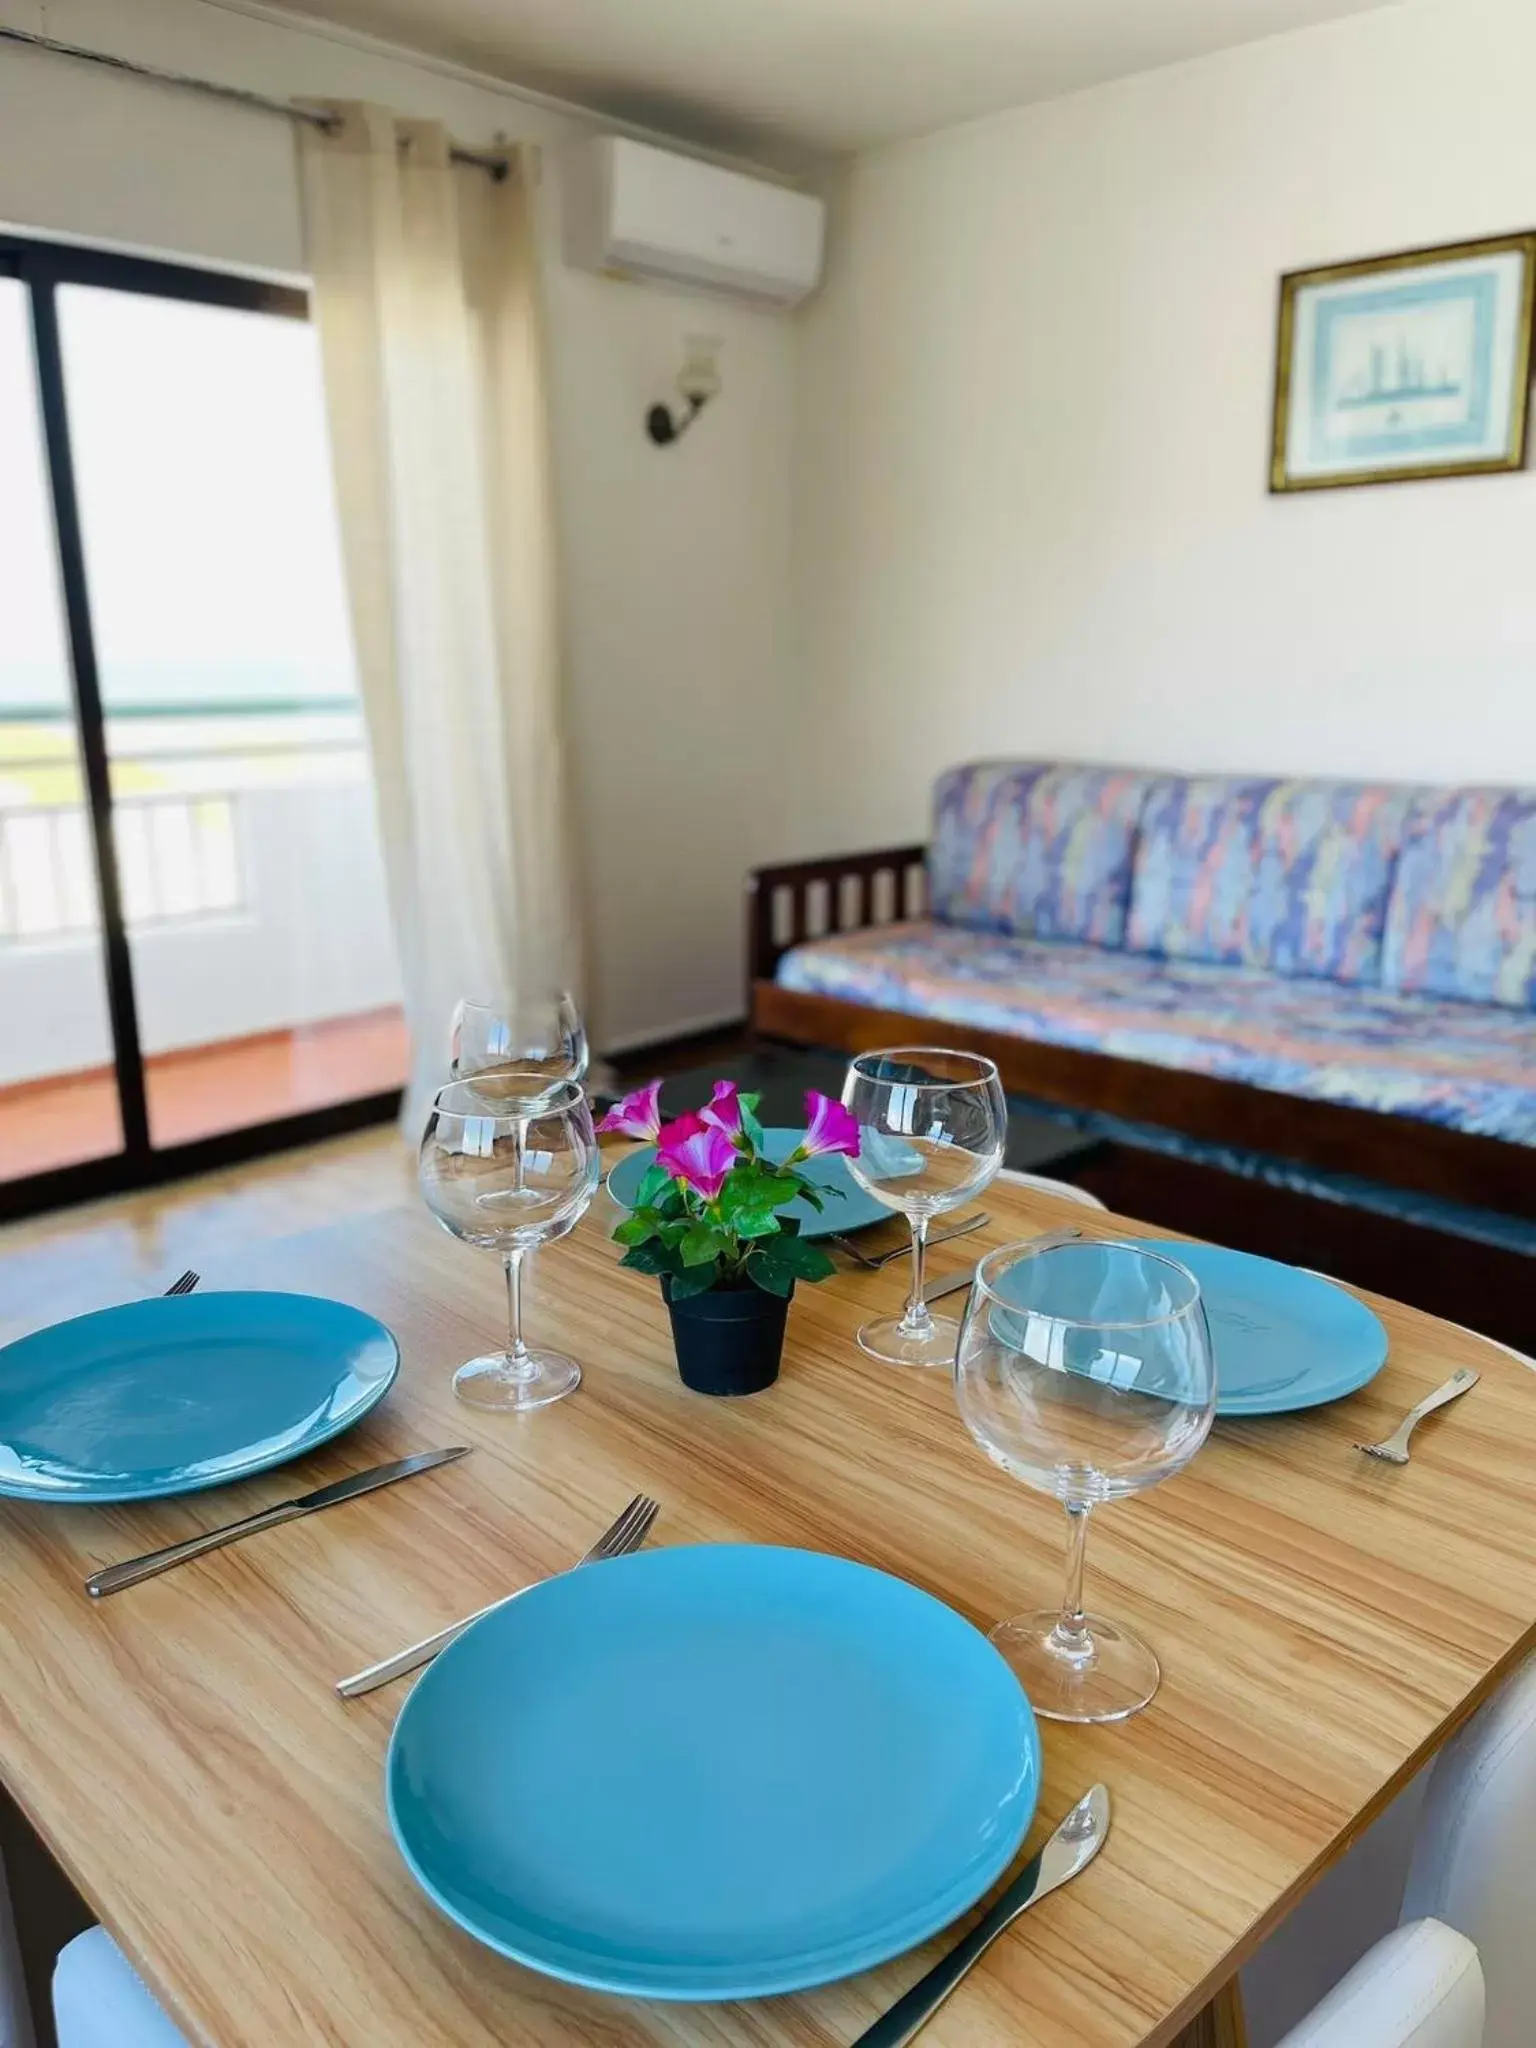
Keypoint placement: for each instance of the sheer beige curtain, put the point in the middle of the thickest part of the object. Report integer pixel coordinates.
(426, 296)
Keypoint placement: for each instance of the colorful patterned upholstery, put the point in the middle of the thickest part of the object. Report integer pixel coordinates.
(1039, 850)
(1462, 920)
(1470, 1067)
(1290, 876)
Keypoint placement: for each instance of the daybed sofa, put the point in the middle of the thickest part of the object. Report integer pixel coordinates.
(1340, 973)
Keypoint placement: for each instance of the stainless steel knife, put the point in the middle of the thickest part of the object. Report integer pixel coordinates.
(952, 1285)
(1071, 1849)
(956, 1281)
(115, 1576)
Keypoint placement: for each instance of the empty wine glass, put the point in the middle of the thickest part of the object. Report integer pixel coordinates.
(933, 1124)
(507, 1179)
(1085, 1370)
(519, 1049)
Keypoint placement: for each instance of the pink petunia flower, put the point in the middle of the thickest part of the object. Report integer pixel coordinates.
(698, 1154)
(829, 1128)
(723, 1109)
(638, 1115)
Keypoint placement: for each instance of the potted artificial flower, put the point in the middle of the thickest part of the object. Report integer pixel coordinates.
(708, 1220)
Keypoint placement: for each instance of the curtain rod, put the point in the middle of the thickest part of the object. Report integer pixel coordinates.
(496, 166)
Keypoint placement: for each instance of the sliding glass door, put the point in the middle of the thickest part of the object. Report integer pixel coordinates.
(206, 826)
(54, 1015)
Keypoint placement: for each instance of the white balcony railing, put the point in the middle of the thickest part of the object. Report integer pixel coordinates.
(252, 882)
(177, 857)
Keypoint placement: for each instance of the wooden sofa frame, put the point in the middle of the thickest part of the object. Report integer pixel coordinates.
(789, 904)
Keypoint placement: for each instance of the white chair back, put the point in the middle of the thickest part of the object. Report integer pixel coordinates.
(1047, 1186)
(99, 2000)
(1474, 1864)
(1419, 1987)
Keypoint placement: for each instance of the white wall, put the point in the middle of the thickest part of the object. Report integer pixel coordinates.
(676, 561)
(1033, 425)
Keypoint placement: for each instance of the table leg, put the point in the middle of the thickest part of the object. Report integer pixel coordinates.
(1221, 2025)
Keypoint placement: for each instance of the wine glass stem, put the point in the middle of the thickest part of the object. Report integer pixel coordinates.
(517, 1350)
(1070, 1637)
(917, 1320)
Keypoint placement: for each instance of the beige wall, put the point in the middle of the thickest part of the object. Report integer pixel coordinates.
(1033, 418)
(676, 561)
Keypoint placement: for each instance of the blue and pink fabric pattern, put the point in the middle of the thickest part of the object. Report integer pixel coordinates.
(1351, 942)
(1039, 850)
(1463, 916)
(1292, 876)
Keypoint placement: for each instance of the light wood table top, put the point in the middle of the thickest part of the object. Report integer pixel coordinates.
(1323, 1623)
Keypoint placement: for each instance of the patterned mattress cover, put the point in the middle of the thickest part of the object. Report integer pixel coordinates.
(1470, 1066)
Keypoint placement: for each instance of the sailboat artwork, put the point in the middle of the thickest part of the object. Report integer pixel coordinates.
(1404, 367)
(1405, 383)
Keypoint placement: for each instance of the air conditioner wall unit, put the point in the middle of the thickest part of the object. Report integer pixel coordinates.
(632, 210)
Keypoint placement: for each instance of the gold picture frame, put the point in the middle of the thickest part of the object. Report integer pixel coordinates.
(1424, 374)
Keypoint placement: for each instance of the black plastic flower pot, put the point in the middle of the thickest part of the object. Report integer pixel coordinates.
(728, 1341)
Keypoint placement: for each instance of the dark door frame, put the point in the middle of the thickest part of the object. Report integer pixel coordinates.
(42, 266)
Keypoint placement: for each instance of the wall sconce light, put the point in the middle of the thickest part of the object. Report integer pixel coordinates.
(698, 381)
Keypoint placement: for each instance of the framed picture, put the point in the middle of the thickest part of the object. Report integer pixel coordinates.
(1404, 366)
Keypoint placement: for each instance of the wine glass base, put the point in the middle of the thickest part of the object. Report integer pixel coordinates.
(533, 1382)
(1117, 1680)
(886, 1340)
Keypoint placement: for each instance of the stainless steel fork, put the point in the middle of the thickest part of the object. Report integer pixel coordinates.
(185, 1284)
(1394, 1449)
(626, 1534)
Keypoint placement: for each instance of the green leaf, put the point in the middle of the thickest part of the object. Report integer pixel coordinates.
(737, 1194)
(654, 1183)
(748, 1189)
(779, 1188)
(749, 1122)
(770, 1276)
(696, 1280)
(823, 1269)
(634, 1230)
(702, 1246)
(650, 1258)
(674, 1230)
(759, 1223)
(805, 1261)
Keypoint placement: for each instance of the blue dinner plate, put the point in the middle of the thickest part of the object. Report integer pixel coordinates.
(183, 1392)
(712, 1773)
(848, 1206)
(1284, 1339)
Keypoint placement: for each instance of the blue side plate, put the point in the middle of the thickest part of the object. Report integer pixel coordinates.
(713, 1773)
(848, 1206)
(1284, 1339)
(183, 1392)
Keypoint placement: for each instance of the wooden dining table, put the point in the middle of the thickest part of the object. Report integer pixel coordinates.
(1324, 1623)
